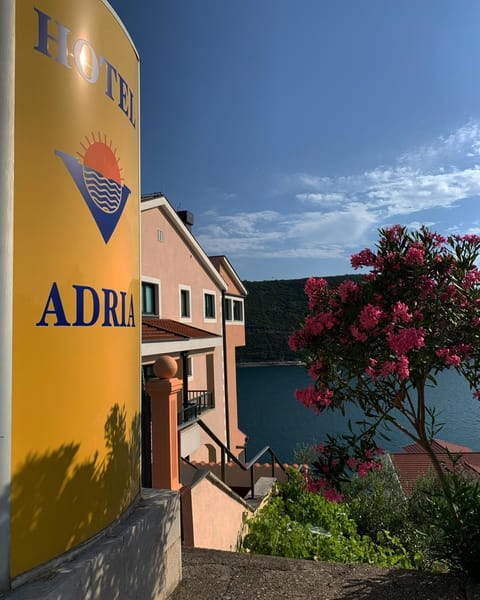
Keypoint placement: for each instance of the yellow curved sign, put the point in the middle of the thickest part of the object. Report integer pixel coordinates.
(76, 327)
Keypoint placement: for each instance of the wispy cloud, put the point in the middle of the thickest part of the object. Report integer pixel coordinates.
(330, 216)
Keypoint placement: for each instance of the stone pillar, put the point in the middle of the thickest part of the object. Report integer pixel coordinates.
(163, 391)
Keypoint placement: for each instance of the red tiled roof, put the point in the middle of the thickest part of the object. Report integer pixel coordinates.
(168, 330)
(438, 446)
(414, 461)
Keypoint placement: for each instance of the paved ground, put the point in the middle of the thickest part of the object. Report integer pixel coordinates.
(214, 575)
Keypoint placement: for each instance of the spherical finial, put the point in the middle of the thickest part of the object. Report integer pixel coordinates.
(165, 367)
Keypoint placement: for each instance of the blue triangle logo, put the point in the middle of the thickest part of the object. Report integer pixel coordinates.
(104, 196)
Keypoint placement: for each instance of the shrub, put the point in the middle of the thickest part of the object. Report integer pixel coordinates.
(455, 544)
(297, 523)
(376, 501)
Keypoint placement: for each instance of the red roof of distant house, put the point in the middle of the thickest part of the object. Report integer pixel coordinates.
(168, 330)
(414, 461)
(438, 446)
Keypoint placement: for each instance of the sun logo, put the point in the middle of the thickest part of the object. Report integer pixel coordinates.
(97, 175)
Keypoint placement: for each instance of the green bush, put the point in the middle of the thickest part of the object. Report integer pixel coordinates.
(376, 501)
(299, 524)
(454, 543)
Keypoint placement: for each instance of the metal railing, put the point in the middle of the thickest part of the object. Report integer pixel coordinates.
(225, 452)
(198, 401)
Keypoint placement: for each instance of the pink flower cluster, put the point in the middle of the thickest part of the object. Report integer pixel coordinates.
(365, 258)
(322, 486)
(348, 289)
(317, 323)
(401, 313)
(453, 356)
(471, 238)
(310, 397)
(406, 339)
(315, 288)
(415, 256)
(471, 278)
(388, 367)
(370, 317)
(362, 463)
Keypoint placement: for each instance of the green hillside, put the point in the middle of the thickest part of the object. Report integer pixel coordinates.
(273, 310)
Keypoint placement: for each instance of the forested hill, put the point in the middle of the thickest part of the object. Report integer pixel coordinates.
(273, 310)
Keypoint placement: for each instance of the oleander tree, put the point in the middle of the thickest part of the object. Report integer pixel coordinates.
(379, 342)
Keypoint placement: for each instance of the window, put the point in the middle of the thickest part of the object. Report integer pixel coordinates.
(209, 305)
(185, 310)
(228, 309)
(237, 310)
(233, 310)
(150, 298)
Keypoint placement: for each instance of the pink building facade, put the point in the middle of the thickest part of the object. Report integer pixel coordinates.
(193, 311)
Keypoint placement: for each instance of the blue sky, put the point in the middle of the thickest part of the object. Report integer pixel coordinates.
(293, 129)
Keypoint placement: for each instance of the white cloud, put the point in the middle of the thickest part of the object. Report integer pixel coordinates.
(334, 215)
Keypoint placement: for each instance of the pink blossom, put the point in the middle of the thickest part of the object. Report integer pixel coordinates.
(476, 394)
(347, 288)
(370, 370)
(453, 360)
(406, 339)
(462, 350)
(314, 368)
(332, 495)
(471, 238)
(449, 355)
(427, 286)
(365, 258)
(393, 233)
(306, 396)
(296, 341)
(471, 277)
(319, 448)
(357, 334)
(312, 398)
(380, 451)
(401, 313)
(317, 323)
(403, 368)
(365, 466)
(414, 256)
(388, 367)
(368, 453)
(370, 316)
(351, 462)
(325, 398)
(314, 289)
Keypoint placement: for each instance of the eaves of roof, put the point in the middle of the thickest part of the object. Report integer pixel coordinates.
(161, 203)
(159, 330)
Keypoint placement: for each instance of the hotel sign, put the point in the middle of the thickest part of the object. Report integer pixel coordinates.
(76, 339)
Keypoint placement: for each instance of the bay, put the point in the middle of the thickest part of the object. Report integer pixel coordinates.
(271, 416)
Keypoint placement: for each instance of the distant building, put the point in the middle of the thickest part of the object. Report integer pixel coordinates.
(414, 461)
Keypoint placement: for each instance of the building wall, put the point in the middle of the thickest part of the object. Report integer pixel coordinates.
(220, 529)
(235, 337)
(174, 263)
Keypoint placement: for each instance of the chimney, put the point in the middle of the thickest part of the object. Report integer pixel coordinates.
(187, 217)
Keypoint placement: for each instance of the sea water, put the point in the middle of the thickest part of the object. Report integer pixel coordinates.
(269, 414)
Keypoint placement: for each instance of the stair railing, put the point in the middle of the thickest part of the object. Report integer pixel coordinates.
(224, 451)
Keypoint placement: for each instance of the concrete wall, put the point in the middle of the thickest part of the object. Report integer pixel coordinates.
(140, 557)
(220, 528)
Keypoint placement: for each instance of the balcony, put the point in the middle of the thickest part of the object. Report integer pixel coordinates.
(198, 401)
